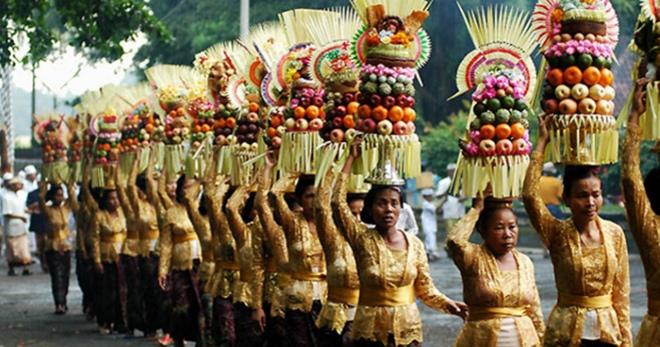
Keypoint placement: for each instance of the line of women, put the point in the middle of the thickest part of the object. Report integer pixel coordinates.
(294, 264)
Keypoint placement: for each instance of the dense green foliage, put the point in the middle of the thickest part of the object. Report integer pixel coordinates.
(95, 27)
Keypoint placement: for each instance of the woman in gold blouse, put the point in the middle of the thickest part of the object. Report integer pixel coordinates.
(393, 268)
(643, 220)
(87, 208)
(109, 234)
(498, 282)
(271, 265)
(589, 256)
(336, 317)
(180, 255)
(58, 247)
(306, 292)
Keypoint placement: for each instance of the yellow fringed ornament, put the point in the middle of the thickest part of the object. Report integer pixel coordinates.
(583, 139)
(298, 152)
(474, 174)
(380, 154)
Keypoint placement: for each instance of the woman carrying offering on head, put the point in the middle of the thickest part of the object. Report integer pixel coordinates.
(498, 281)
(392, 267)
(589, 256)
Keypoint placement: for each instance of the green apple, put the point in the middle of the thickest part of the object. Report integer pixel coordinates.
(584, 61)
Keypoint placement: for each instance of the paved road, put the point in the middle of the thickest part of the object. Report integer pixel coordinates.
(27, 319)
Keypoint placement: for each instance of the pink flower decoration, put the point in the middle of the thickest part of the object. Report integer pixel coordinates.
(490, 81)
(518, 93)
(490, 93)
(472, 149)
(475, 136)
(502, 82)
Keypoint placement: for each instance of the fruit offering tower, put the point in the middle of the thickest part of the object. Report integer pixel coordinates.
(49, 131)
(578, 40)
(137, 126)
(495, 150)
(332, 66)
(390, 47)
(75, 140)
(647, 44)
(305, 103)
(170, 83)
(108, 140)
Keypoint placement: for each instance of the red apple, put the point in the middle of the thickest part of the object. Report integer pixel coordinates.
(550, 106)
(290, 123)
(337, 135)
(302, 124)
(341, 111)
(568, 106)
(369, 126)
(400, 128)
(587, 106)
(304, 102)
(402, 100)
(337, 122)
(316, 124)
(411, 128)
(375, 100)
(252, 117)
(317, 101)
(389, 101)
(348, 97)
(519, 146)
(276, 141)
(503, 146)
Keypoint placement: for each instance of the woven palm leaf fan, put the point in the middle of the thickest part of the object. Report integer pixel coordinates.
(501, 74)
(266, 43)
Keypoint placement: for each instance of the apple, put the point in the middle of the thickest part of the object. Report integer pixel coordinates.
(503, 146)
(317, 101)
(176, 131)
(568, 106)
(250, 137)
(604, 107)
(252, 117)
(400, 128)
(610, 93)
(385, 127)
(348, 98)
(519, 146)
(341, 111)
(281, 130)
(220, 140)
(252, 128)
(240, 138)
(337, 136)
(563, 92)
(210, 121)
(402, 100)
(375, 100)
(587, 106)
(550, 106)
(411, 128)
(226, 131)
(358, 124)
(487, 146)
(304, 102)
(242, 129)
(350, 134)
(369, 126)
(316, 124)
(290, 123)
(337, 122)
(276, 141)
(411, 101)
(389, 101)
(597, 92)
(580, 91)
(302, 124)
(254, 147)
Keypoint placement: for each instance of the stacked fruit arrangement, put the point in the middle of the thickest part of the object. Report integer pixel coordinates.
(247, 130)
(203, 113)
(276, 128)
(305, 111)
(225, 122)
(107, 142)
(647, 41)
(386, 100)
(76, 145)
(52, 145)
(177, 127)
(501, 122)
(579, 80)
(342, 116)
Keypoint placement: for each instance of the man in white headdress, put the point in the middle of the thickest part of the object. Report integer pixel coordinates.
(430, 224)
(30, 182)
(15, 227)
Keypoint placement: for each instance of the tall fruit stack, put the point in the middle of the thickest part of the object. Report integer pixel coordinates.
(49, 132)
(495, 150)
(647, 43)
(390, 47)
(579, 39)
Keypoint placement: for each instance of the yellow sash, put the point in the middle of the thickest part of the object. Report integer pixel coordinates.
(593, 302)
(150, 235)
(184, 238)
(391, 297)
(60, 235)
(343, 295)
(308, 276)
(485, 313)
(113, 238)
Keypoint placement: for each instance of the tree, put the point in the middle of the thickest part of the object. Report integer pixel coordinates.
(95, 27)
(440, 143)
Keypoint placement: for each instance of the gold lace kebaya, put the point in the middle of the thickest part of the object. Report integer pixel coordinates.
(342, 278)
(146, 215)
(85, 228)
(306, 258)
(582, 284)
(202, 227)
(109, 235)
(57, 220)
(179, 244)
(277, 267)
(645, 228)
(389, 280)
(242, 235)
(493, 294)
(264, 272)
(131, 245)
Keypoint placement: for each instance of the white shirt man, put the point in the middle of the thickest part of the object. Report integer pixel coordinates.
(407, 220)
(30, 182)
(452, 209)
(15, 227)
(430, 224)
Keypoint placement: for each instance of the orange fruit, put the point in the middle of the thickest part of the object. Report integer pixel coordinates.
(487, 131)
(517, 131)
(573, 75)
(299, 112)
(409, 114)
(606, 77)
(379, 113)
(275, 122)
(253, 107)
(364, 111)
(503, 131)
(349, 121)
(591, 76)
(230, 122)
(206, 128)
(555, 77)
(395, 114)
(312, 112)
(180, 112)
(271, 132)
(352, 107)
